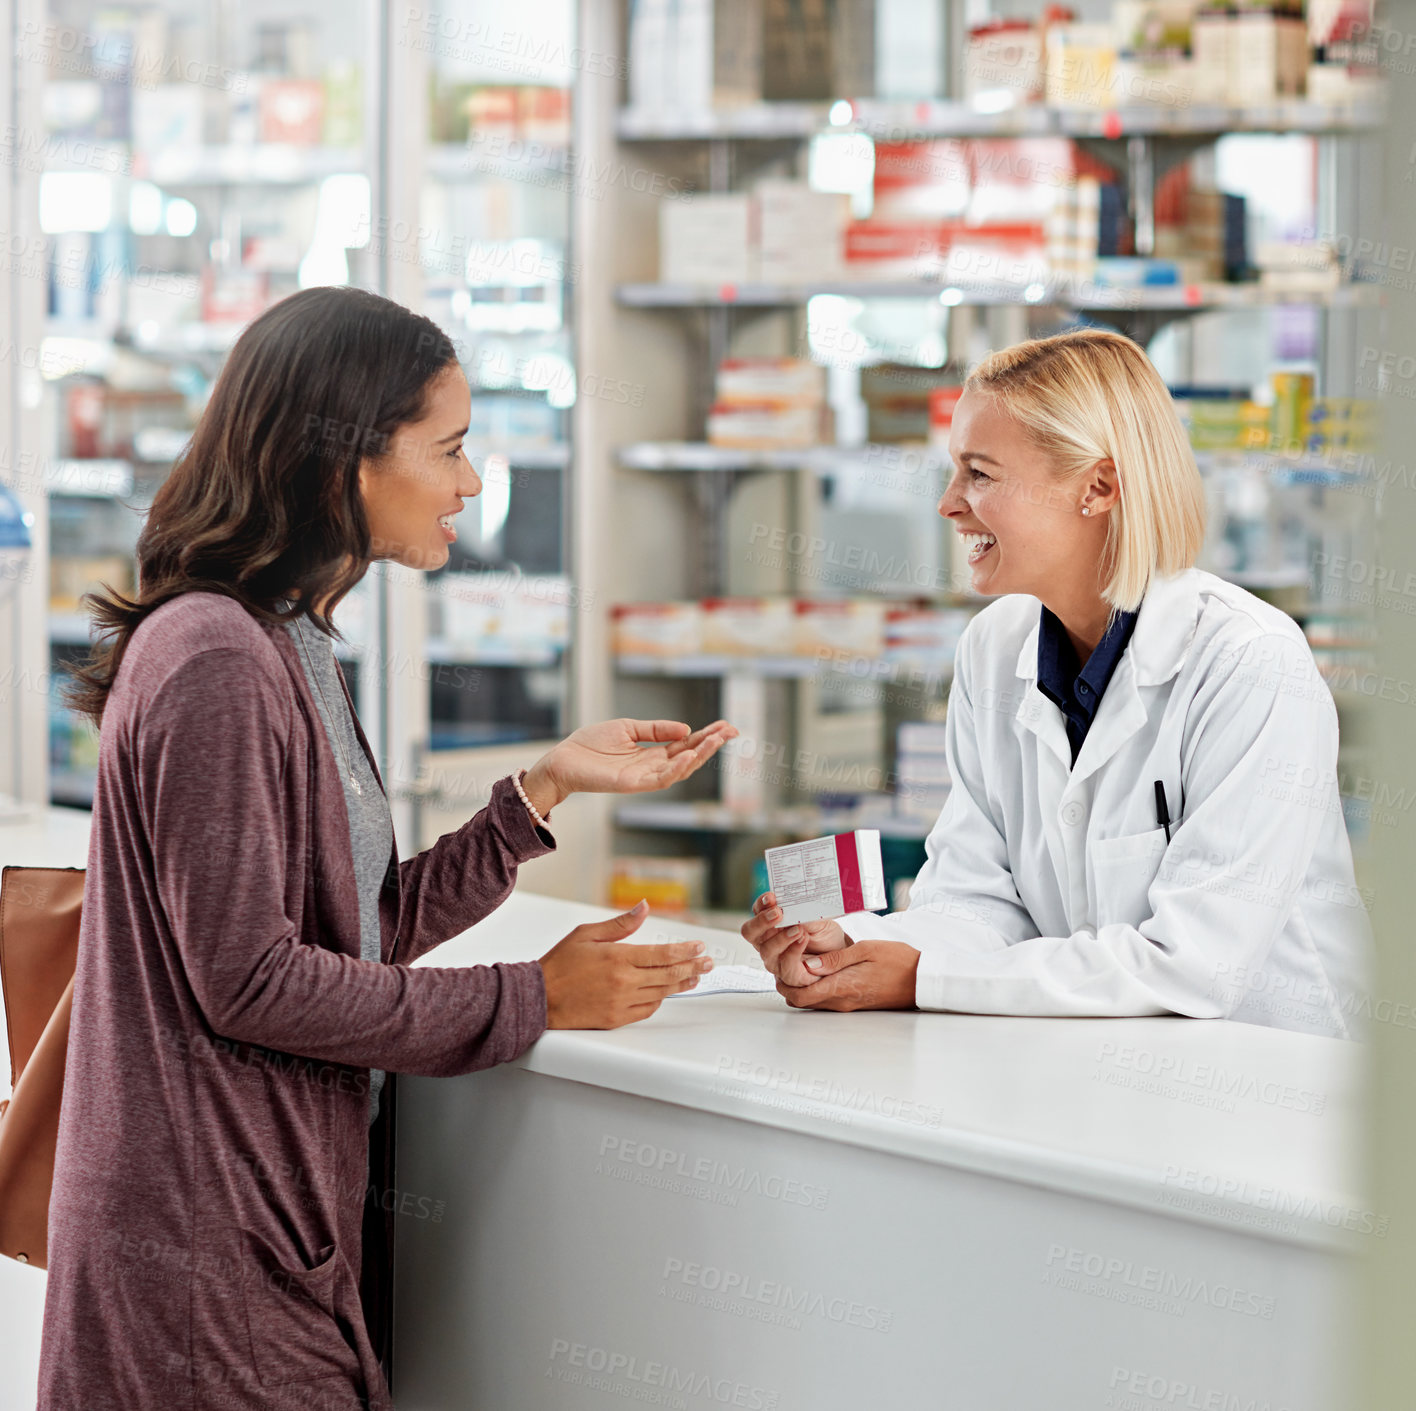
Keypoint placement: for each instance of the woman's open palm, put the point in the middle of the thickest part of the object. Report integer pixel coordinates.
(633, 756)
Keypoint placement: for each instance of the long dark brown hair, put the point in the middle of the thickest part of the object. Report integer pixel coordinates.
(264, 502)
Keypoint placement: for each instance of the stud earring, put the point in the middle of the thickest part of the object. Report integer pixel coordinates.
(1085, 510)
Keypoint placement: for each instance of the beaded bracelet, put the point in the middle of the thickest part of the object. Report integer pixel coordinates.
(530, 807)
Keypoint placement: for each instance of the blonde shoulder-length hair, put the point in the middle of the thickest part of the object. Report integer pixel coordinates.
(1091, 395)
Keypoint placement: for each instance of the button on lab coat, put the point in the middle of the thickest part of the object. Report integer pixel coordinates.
(1049, 887)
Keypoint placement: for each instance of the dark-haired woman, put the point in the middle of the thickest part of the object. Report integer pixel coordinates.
(243, 977)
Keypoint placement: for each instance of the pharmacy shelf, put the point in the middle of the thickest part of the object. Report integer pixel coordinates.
(508, 160)
(163, 340)
(1159, 297)
(90, 478)
(917, 458)
(262, 164)
(808, 820)
(901, 121)
(825, 460)
(440, 652)
(916, 668)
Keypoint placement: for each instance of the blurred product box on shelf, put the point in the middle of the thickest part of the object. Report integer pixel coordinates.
(1073, 230)
(1153, 66)
(1202, 224)
(766, 425)
(287, 47)
(1270, 56)
(292, 111)
(498, 116)
(694, 55)
(800, 233)
(70, 578)
(1297, 267)
(1347, 53)
(981, 211)
(233, 295)
(922, 779)
(1221, 419)
(656, 629)
(1003, 64)
(105, 421)
(716, 54)
(797, 381)
(769, 402)
(1139, 272)
(652, 40)
(942, 401)
(543, 115)
(527, 612)
(1292, 400)
(343, 103)
(243, 112)
(1153, 80)
(1081, 66)
(824, 878)
(927, 180)
(668, 884)
(923, 637)
(706, 240)
(1245, 56)
(747, 626)
(457, 110)
(817, 50)
(1340, 426)
(171, 115)
(898, 400)
(841, 629)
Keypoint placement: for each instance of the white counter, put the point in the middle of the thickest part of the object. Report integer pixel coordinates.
(1152, 1209)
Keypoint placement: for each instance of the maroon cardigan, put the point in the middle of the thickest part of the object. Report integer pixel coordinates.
(204, 1240)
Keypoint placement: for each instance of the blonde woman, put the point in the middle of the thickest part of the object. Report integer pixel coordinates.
(1144, 816)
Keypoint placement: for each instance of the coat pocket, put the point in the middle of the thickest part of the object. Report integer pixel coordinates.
(1122, 870)
(290, 1314)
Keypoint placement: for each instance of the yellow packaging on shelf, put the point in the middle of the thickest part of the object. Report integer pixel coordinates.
(666, 883)
(70, 578)
(1255, 426)
(1292, 396)
(1081, 63)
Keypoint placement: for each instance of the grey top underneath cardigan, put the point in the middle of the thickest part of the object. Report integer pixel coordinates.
(370, 822)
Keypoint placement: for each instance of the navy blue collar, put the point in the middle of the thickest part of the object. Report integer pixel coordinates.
(1077, 692)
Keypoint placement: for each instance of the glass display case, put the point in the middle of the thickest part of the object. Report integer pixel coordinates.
(200, 161)
(494, 252)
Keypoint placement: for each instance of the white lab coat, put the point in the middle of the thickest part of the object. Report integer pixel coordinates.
(1050, 889)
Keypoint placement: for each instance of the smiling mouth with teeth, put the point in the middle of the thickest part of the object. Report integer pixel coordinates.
(978, 545)
(445, 524)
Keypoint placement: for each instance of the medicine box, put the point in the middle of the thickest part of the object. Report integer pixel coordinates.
(824, 878)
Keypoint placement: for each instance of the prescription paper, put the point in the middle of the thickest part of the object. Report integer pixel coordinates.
(732, 980)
